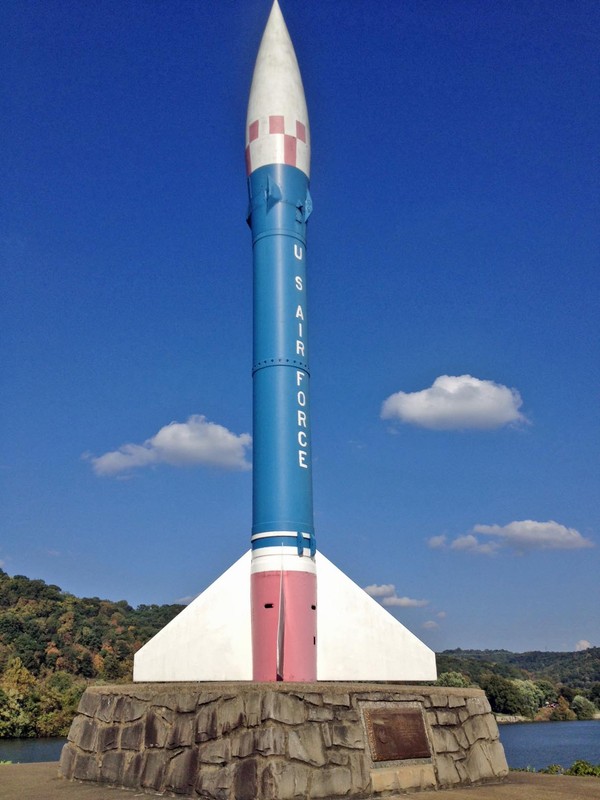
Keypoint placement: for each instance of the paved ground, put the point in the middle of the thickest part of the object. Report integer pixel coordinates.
(41, 782)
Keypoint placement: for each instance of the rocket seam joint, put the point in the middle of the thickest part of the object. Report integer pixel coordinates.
(279, 232)
(280, 362)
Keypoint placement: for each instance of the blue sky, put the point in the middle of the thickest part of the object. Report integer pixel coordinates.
(453, 267)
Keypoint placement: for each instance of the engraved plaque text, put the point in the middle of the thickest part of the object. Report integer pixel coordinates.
(396, 734)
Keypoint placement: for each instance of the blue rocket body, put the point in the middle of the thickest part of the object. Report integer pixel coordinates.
(280, 204)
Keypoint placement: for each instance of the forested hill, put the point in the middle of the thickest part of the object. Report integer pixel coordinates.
(51, 630)
(52, 644)
(579, 670)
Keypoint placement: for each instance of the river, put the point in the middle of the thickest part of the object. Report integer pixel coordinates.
(526, 744)
(539, 744)
(26, 751)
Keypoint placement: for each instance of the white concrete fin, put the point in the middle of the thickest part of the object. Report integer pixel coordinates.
(358, 640)
(211, 640)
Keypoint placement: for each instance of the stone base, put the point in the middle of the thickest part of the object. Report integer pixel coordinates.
(283, 741)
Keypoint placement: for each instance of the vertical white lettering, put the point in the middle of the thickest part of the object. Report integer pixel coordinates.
(302, 440)
(300, 329)
(299, 313)
(302, 459)
(299, 377)
(301, 419)
(299, 348)
(298, 252)
(298, 281)
(301, 399)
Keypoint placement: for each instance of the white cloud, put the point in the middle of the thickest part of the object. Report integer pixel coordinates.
(386, 592)
(380, 590)
(430, 625)
(519, 536)
(436, 542)
(180, 444)
(456, 402)
(441, 615)
(404, 602)
(530, 535)
(473, 545)
(582, 644)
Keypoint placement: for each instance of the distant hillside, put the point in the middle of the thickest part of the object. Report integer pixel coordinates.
(52, 644)
(579, 670)
(51, 630)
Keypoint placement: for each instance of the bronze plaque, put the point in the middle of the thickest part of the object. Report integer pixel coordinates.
(396, 734)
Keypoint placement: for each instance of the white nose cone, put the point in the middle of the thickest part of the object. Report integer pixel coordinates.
(277, 123)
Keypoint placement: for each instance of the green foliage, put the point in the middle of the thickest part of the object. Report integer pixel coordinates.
(562, 712)
(52, 644)
(548, 690)
(581, 767)
(456, 679)
(531, 697)
(583, 708)
(580, 670)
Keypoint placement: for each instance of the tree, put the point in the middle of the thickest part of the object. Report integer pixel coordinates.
(583, 708)
(567, 692)
(562, 712)
(456, 679)
(504, 696)
(531, 697)
(548, 690)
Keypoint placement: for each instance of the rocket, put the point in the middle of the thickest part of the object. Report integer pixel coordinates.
(258, 620)
(283, 572)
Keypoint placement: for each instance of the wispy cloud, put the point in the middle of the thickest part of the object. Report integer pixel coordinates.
(179, 444)
(519, 536)
(473, 545)
(430, 625)
(436, 542)
(380, 590)
(456, 403)
(582, 644)
(386, 594)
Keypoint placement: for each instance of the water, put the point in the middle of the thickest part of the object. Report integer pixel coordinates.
(26, 751)
(539, 744)
(526, 744)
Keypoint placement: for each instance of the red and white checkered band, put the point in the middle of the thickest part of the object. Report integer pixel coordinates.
(277, 140)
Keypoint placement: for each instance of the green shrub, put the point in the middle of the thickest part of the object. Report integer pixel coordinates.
(581, 767)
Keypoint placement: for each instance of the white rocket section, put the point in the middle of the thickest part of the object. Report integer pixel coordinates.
(277, 130)
(358, 640)
(282, 559)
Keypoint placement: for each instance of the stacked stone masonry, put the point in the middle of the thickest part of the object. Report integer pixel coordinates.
(247, 741)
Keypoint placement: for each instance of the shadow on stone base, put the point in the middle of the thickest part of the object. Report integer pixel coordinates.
(284, 741)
